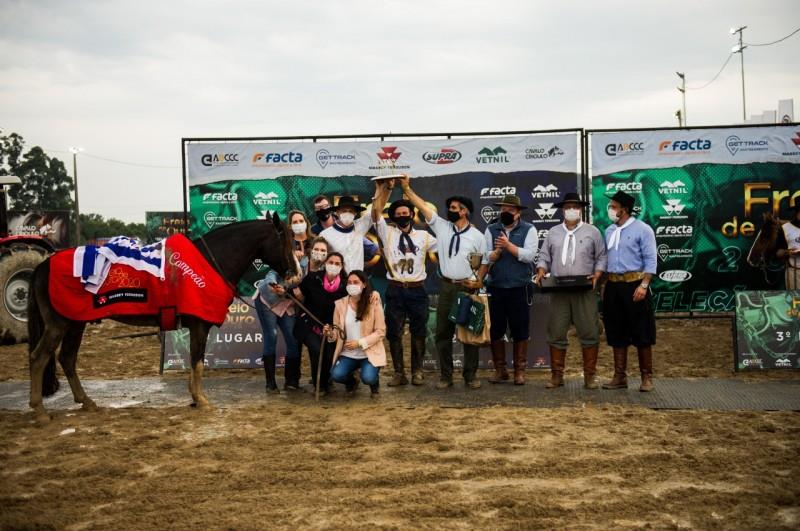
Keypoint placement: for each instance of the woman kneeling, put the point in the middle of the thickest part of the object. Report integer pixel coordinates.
(359, 345)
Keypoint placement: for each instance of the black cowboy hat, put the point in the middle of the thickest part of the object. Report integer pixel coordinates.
(400, 203)
(571, 197)
(348, 201)
(624, 199)
(511, 200)
(466, 201)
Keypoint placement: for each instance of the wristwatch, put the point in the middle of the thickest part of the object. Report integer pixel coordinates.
(643, 285)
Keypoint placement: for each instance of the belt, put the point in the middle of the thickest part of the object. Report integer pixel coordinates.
(631, 276)
(451, 281)
(407, 285)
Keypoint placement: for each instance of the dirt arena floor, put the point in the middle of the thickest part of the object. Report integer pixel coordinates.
(373, 464)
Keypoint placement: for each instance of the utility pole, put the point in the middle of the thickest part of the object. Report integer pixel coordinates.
(678, 116)
(740, 50)
(682, 90)
(75, 151)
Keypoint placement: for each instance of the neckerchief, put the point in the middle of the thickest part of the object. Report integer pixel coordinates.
(344, 229)
(455, 239)
(405, 244)
(616, 236)
(331, 285)
(567, 236)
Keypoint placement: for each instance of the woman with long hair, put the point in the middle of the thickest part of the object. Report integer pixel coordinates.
(318, 254)
(301, 237)
(359, 316)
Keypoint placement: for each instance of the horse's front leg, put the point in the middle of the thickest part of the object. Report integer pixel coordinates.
(68, 358)
(198, 332)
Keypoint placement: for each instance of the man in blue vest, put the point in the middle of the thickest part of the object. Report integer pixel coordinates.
(511, 245)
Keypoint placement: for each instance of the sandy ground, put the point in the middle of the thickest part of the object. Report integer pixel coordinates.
(363, 464)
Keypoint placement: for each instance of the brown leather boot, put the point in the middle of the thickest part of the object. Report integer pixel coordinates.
(499, 361)
(646, 368)
(396, 351)
(590, 367)
(620, 380)
(558, 358)
(417, 357)
(520, 361)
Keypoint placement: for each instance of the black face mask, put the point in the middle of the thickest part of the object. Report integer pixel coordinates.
(453, 216)
(402, 221)
(506, 218)
(323, 215)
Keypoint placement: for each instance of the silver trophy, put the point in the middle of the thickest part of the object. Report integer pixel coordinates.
(475, 260)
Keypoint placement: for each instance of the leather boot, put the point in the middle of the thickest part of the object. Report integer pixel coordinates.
(520, 361)
(558, 357)
(269, 371)
(396, 350)
(291, 374)
(590, 367)
(417, 355)
(646, 368)
(499, 361)
(620, 380)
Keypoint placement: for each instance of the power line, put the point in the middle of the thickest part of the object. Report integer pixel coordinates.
(716, 76)
(773, 42)
(126, 163)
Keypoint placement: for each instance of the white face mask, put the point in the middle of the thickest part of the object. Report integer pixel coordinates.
(299, 228)
(318, 256)
(613, 215)
(572, 214)
(354, 290)
(347, 218)
(333, 269)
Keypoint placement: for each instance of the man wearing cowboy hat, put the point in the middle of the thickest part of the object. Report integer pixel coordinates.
(572, 249)
(511, 245)
(404, 250)
(788, 247)
(347, 232)
(628, 312)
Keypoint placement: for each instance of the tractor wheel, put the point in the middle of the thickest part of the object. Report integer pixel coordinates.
(17, 263)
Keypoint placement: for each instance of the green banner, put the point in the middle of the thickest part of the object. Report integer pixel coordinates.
(767, 330)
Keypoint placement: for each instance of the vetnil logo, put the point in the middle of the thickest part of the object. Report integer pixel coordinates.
(266, 199)
(541, 191)
(497, 155)
(674, 187)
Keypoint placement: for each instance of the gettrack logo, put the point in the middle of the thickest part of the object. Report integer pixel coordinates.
(489, 213)
(212, 219)
(325, 157)
(736, 144)
(684, 147)
(497, 155)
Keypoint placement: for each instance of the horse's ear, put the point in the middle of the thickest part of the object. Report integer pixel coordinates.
(276, 219)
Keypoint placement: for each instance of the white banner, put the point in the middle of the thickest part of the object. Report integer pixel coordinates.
(213, 162)
(625, 150)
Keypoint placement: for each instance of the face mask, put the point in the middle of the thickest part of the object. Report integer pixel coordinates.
(506, 218)
(333, 270)
(572, 214)
(613, 215)
(323, 215)
(299, 228)
(347, 218)
(453, 216)
(353, 290)
(319, 256)
(403, 221)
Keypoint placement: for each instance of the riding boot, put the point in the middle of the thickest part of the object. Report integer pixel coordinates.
(590, 367)
(520, 361)
(646, 368)
(620, 380)
(558, 357)
(269, 371)
(291, 373)
(417, 355)
(375, 389)
(499, 361)
(396, 351)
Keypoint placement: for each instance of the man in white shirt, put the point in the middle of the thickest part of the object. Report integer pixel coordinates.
(404, 250)
(347, 232)
(788, 247)
(457, 240)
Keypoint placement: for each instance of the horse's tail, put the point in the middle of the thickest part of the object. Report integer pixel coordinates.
(36, 327)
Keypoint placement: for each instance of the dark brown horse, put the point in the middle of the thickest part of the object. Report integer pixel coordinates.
(762, 254)
(231, 250)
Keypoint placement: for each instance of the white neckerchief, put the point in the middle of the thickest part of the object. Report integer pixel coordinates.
(613, 241)
(566, 244)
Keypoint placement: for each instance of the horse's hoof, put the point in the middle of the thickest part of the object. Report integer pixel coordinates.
(89, 405)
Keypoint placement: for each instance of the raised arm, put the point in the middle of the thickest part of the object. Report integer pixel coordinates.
(382, 193)
(416, 200)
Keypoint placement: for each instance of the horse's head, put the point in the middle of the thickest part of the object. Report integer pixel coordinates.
(763, 249)
(276, 248)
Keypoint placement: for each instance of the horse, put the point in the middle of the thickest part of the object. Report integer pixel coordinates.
(230, 250)
(763, 253)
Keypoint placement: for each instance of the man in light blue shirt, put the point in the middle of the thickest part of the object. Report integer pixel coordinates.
(628, 312)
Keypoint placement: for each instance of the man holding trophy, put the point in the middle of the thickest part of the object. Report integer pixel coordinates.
(457, 239)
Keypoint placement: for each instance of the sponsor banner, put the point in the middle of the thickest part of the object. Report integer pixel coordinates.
(628, 150)
(767, 330)
(52, 225)
(705, 217)
(213, 162)
(160, 225)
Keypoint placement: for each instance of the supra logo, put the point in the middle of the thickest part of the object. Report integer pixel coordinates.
(736, 144)
(675, 231)
(629, 148)
(220, 197)
(677, 187)
(624, 187)
(268, 199)
(497, 192)
(443, 156)
(675, 275)
(213, 219)
(489, 213)
(544, 191)
(543, 153)
(667, 147)
(220, 159)
(545, 211)
(497, 155)
(673, 207)
(277, 159)
(325, 157)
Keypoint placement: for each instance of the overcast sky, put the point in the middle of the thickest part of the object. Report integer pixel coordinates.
(126, 80)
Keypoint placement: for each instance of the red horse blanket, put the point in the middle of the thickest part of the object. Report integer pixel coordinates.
(191, 287)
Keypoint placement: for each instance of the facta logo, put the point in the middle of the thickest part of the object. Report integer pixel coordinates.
(217, 198)
(684, 147)
(677, 187)
(497, 155)
(543, 153)
(325, 157)
(736, 144)
(489, 213)
(277, 159)
(675, 231)
(545, 211)
(665, 252)
(673, 207)
(443, 156)
(544, 191)
(629, 148)
(219, 159)
(268, 199)
(675, 275)
(624, 187)
(497, 192)
(213, 219)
